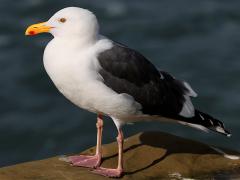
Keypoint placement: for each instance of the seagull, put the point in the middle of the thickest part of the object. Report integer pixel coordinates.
(110, 79)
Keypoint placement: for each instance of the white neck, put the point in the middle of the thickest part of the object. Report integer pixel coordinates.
(74, 41)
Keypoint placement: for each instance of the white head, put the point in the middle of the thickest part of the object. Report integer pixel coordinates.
(68, 22)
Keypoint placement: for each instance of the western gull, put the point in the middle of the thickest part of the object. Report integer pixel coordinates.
(111, 79)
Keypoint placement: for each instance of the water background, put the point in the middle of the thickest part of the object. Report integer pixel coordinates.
(198, 41)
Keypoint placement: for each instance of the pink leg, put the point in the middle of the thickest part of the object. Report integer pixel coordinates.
(119, 170)
(91, 161)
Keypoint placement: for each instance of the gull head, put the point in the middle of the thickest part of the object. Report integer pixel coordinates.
(68, 22)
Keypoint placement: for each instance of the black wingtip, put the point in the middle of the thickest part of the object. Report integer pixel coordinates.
(211, 123)
(228, 134)
(221, 130)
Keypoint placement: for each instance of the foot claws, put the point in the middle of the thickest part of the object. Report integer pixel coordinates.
(115, 173)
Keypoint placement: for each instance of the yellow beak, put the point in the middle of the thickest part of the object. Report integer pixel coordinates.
(37, 28)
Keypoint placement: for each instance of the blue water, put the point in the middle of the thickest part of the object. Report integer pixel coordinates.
(198, 41)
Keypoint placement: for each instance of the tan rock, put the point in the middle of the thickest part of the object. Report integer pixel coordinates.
(149, 155)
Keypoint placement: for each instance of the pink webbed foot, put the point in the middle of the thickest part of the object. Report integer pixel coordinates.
(85, 161)
(108, 172)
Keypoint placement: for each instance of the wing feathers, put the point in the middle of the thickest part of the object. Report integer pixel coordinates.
(205, 122)
(126, 71)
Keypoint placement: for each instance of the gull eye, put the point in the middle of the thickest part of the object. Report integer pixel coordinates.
(62, 20)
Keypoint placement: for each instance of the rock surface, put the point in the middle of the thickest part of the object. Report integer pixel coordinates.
(148, 155)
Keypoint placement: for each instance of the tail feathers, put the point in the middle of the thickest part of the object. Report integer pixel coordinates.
(206, 122)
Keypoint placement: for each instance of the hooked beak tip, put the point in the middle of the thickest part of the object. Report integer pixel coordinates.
(37, 29)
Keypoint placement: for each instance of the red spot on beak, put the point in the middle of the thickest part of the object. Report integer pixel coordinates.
(31, 32)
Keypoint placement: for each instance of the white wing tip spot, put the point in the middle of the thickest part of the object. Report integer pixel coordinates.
(211, 121)
(201, 117)
(228, 156)
(220, 129)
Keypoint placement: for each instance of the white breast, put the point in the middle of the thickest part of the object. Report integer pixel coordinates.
(74, 71)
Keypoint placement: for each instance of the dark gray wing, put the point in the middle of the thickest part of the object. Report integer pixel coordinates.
(126, 71)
